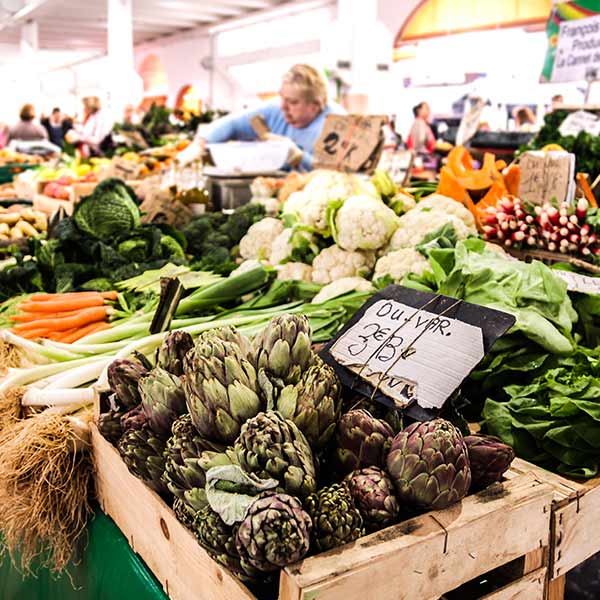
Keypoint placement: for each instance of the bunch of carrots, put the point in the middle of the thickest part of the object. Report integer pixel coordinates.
(63, 317)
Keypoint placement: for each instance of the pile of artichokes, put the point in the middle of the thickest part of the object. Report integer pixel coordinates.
(263, 419)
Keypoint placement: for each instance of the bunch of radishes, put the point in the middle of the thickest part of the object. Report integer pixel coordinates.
(563, 229)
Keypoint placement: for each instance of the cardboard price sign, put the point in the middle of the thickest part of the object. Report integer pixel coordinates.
(350, 143)
(411, 350)
(125, 169)
(547, 175)
(579, 283)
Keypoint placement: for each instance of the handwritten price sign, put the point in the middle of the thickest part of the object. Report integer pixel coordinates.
(409, 353)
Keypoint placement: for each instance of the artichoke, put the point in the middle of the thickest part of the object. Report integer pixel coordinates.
(183, 470)
(172, 351)
(123, 377)
(184, 512)
(335, 519)
(134, 418)
(362, 441)
(143, 453)
(283, 349)
(228, 334)
(109, 425)
(275, 533)
(221, 389)
(163, 399)
(219, 540)
(489, 458)
(374, 496)
(429, 465)
(271, 446)
(314, 404)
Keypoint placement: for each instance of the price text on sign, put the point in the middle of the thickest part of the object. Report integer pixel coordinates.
(579, 283)
(410, 353)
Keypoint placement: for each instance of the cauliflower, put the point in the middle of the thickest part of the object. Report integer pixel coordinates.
(258, 240)
(334, 263)
(246, 266)
(292, 244)
(294, 270)
(402, 203)
(416, 224)
(342, 286)
(449, 206)
(399, 263)
(271, 205)
(295, 203)
(363, 223)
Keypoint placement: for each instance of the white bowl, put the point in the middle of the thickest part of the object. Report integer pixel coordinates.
(249, 157)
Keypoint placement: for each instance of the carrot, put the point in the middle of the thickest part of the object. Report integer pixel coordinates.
(53, 306)
(58, 336)
(83, 331)
(27, 317)
(70, 295)
(83, 317)
(32, 334)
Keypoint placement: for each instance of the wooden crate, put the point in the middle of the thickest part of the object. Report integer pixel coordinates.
(420, 559)
(575, 515)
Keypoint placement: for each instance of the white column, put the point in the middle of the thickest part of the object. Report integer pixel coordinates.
(124, 83)
(29, 76)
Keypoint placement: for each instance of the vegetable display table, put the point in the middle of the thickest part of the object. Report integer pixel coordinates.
(106, 568)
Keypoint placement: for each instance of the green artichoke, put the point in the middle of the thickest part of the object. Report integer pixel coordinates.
(283, 350)
(489, 458)
(221, 389)
(185, 513)
(314, 403)
(275, 533)
(335, 519)
(184, 474)
(228, 334)
(133, 418)
(143, 453)
(429, 465)
(362, 441)
(271, 446)
(374, 496)
(163, 399)
(172, 351)
(219, 540)
(123, 376)
(109, 425)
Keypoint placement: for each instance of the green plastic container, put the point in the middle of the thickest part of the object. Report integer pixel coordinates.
(8, 172)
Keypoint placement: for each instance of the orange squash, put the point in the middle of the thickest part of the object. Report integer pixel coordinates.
(449, 186)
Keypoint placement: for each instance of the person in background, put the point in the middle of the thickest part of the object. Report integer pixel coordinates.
(26, 130)
(298, 118)
(524, 119)
(130, 115)
(56, 126)
(96, 126)
(557, 100)
(421, 138)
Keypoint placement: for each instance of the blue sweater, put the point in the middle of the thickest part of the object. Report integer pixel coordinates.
(237, 127)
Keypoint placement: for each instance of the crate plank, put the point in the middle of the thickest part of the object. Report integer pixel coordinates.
(528, 587)
(184, 569)
(431, 554)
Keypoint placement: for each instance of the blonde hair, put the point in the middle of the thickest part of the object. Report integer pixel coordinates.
(312, 85)
(91, 104)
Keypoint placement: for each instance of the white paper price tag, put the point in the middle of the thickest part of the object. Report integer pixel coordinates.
(580, 120)
(410, 353)
(579, 283)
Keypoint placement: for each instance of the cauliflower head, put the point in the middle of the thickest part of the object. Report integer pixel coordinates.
(334, 263)
(450, 207)
(416, 224)
(295, 203)
(259, 239)
(246, 266)
(399, 263)
(342, 286)
(293, 245)
(363, 223)
(294, 270)
(271, 205)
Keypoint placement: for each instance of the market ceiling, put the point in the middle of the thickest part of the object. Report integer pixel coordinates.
(81, 24)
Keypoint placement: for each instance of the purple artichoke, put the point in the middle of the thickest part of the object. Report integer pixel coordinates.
(489, 458)
(429, 465)
(172, 351)
(374, 496)
(362, 441)
(123, 377)
(109, 425)
(134, 418)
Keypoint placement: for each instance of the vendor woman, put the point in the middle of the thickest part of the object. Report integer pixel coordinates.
(298, 117)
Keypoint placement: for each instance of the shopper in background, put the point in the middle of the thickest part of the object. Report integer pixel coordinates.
(130, 115)
(421, 138)
(89, 136)
(557, 100)
(298, 118)
(524, 119)
(26, 130)
(56, 126)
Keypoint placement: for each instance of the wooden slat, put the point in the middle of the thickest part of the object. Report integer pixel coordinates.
(172, 553)
(528, 587)
(575, 531)
(556, 589)
(431, 554)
